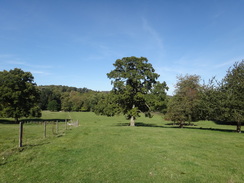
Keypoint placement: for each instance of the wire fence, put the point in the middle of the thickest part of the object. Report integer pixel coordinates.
(34, 130)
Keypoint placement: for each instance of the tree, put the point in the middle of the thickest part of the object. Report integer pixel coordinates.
(211, 99)
(186, 102)
(224, 100)
(176, 111)
(132, 79)
(45, 94)
(52, 105)
(19, 95)
(233, 89)
(65, 100)
(107, 105)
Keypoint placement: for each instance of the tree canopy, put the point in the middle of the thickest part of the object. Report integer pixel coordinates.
(19, 95)
(133, 79)
(58, 97)
(233, 89)
(224, 100)
(185, 104)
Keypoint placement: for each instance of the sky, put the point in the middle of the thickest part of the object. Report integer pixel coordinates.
(76, 42)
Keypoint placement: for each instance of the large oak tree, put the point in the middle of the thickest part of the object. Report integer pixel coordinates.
(133, 80)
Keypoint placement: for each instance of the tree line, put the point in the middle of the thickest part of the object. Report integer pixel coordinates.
(221, 101)
(65, 98)
(136, 90)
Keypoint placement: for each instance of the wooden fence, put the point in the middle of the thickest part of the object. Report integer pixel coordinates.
(56, 127)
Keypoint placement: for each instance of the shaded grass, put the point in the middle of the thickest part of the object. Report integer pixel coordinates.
(104, 149)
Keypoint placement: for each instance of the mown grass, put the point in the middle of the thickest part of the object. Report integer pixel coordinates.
(104, 149)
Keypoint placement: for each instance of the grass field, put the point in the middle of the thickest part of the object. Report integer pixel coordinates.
(105, 149)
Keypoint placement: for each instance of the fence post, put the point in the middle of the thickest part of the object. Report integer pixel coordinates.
(45, 129)
(57, 126)
(65, 124)
(20, 133)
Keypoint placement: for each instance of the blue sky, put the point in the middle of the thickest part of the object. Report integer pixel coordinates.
(76, 42)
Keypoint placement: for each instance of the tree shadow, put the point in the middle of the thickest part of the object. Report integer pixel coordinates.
(6, 121)
(140, 124)
(35, 145)
(211, 129)
(193, 126)
(35, 120)
(171, 125)
(231, 123)
(47, 120)
(185, 124)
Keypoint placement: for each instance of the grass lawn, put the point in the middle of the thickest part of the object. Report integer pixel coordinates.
(105, 149)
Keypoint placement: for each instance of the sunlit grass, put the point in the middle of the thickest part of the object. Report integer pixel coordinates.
(106, 149)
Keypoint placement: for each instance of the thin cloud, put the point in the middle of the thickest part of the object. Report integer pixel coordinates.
(153, 33)
(170, 69)
(34, 69)
(28, 65)
(40, 72)
(227, 63)
(16, 63)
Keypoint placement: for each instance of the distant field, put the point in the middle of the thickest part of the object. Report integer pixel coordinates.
(105, 149)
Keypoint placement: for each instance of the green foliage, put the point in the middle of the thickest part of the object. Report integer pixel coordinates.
(185, 105)
(224, 100)
(107, 105)
(53, 105)
(157, 97)
(45, 97)
(68, 98)
(66, 103)
(211, 98)
(133, 79)
(59, 93)
(76, 101)
(19, 95)
(176, 110)
(48, 94)
(233, 87)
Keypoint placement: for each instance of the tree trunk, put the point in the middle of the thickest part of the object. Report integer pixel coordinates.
(45, 129)
(20, 133)
(57, 127)
(189, 119)
(238, 127)
(181, 124)
(132, 121)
